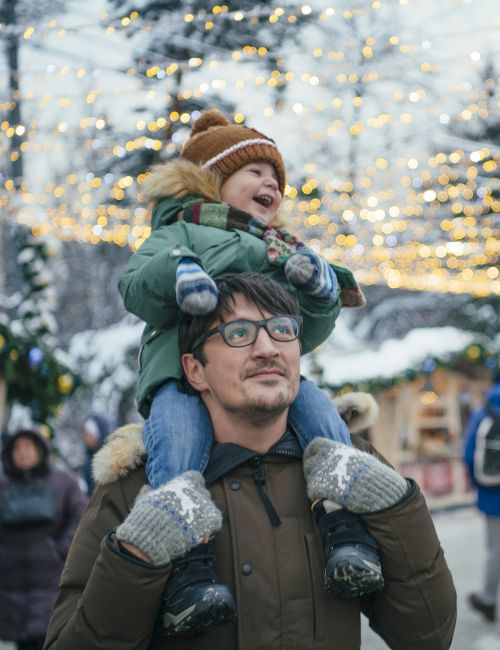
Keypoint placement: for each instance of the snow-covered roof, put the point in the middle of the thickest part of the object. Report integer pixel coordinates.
(392, 358)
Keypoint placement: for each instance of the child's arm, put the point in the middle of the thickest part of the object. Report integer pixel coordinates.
(318, 293)
(149, 282)
(319, 320)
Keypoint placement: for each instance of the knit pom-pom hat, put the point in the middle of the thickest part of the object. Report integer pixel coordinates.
(222, 147)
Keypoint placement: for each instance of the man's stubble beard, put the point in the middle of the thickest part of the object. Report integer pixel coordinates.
(259, 411)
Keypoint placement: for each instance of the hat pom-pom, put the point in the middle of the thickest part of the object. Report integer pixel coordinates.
(208, 119)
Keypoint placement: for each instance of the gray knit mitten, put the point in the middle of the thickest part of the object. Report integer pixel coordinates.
(167, 522)
(351, 478)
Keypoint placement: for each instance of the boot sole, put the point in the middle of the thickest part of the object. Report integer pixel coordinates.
(203, 616)
(350, 581)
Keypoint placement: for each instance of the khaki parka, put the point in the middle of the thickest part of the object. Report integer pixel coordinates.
(148, 284)
(110, 601)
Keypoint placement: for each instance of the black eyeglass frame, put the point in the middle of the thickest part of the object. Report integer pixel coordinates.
(220, 329)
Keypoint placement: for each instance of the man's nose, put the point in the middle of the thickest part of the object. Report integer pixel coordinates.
(264, 345)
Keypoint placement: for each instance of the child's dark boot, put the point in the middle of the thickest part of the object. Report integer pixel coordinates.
(193, 601)
(351, 562)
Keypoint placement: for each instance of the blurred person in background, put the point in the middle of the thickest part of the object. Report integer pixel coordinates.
(40, 507)
(482, 457)
(95, 429)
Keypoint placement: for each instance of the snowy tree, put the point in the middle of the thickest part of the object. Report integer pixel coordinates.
(38, 302)
(173, 43)
(357, 97)
(17, 16)
(33, 371)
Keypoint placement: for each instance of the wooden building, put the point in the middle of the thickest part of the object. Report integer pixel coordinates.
(426, 386)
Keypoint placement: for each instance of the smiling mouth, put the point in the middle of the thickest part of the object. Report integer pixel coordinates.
(263, 199)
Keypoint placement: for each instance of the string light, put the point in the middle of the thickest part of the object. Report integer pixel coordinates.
(385, 235)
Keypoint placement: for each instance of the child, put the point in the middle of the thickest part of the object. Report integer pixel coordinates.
(215, 211)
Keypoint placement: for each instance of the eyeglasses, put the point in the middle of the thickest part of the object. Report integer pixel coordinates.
(243, 332)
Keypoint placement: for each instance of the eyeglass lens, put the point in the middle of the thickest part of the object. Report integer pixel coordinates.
(244, 332)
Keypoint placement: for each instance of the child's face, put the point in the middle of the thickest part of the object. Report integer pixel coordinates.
(253, 189)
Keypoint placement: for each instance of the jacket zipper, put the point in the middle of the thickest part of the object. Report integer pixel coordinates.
(311, 582)
(260, 481)
(151, 336)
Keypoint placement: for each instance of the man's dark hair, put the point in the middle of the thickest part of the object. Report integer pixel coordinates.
(258, 289)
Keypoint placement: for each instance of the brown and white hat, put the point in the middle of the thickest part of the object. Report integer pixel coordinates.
(224, 148)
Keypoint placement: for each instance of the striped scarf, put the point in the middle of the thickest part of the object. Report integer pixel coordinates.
(281, 245)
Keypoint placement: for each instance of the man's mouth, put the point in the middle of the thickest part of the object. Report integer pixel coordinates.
(263, 199)
(255, 372)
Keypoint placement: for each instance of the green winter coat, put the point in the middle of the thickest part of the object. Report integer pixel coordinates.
(109, 601)
(148, 284)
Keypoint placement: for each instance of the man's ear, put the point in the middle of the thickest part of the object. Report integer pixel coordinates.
(194, 371)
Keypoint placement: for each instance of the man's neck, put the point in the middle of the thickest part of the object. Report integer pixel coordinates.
(259, 435)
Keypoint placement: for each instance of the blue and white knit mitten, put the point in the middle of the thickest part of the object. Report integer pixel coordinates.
(195, 291)
(313, 275)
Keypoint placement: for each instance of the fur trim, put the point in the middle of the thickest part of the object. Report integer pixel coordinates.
(121, 453)
(359, 410)
(180, 177)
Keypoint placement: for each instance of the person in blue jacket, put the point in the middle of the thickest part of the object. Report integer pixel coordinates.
(488, 502)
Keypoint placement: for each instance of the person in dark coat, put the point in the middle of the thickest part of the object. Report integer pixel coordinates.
(40, 507)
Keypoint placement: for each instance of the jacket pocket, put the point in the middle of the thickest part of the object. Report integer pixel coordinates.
(317, 589)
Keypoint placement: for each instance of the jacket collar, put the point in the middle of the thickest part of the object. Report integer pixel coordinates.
(226, 456)
(123, 450)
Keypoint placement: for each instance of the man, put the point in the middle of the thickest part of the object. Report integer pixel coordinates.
(482, 457)
(244, 360)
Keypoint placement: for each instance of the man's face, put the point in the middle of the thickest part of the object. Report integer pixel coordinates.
(257, 382)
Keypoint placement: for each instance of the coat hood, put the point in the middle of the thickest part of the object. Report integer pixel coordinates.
(124, 451)
(179, 178)
(42, 469)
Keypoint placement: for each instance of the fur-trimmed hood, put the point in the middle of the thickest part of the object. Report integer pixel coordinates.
(124, 450)
(181, 178)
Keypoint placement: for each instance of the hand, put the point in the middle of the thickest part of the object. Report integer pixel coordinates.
(313, 275)
(351, 478)
(195, 291)
(166, 523)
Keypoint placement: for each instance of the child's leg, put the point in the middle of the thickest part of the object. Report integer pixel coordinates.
(351, 562)
(314, 415)
(177, 435)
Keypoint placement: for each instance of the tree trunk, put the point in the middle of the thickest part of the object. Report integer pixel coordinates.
(14, 110)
